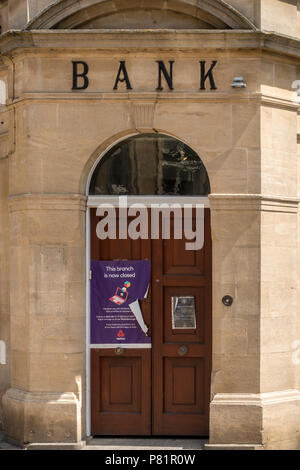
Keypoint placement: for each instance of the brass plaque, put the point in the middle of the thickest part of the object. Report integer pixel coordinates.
(183, 313)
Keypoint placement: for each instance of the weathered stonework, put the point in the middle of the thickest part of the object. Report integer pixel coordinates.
(50, 138)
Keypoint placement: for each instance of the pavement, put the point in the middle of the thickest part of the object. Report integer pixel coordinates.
(145, 444)
(120, 444)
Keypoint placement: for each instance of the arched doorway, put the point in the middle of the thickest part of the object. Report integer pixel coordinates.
(160, 386)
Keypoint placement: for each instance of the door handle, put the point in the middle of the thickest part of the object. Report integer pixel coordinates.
(182, 351)
(119, 351)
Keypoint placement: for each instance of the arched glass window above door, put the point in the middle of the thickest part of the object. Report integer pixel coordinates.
(150, 164)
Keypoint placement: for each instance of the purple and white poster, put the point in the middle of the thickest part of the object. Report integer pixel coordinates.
(116, 316)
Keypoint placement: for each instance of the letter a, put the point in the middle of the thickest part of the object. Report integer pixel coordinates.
(122, 69)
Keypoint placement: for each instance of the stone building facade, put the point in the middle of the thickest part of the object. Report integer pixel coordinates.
(63, 107)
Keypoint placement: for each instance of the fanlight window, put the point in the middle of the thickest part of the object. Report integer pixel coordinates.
(150, 164)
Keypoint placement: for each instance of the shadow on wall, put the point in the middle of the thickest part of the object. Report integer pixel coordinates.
(290, 2)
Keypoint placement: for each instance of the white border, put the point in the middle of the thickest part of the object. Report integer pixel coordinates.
(122, 346)
(94, 202)
(88, 325)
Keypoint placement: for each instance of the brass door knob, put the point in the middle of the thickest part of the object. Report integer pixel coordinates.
(119, 351)
(183, 350)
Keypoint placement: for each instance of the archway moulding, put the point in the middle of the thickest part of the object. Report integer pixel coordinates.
(203, 14)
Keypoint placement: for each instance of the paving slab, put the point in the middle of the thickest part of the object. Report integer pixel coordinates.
(145, 444)
(115, 444)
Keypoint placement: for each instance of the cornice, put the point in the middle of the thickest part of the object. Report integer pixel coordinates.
(228, 202)
(254, 202)
(38, 201)
(149, 40)
(150, 98)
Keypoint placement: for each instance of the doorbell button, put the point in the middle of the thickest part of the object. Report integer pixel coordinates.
(227, 300)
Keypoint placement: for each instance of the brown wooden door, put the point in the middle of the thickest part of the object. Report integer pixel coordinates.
(121, 385)
(181, 357)
(158, 392)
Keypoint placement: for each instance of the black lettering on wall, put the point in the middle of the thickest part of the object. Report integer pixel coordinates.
(122, 70)
(167, 75)
(207, 75)
(82, 76)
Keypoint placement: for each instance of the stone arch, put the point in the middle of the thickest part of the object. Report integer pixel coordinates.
(196, 14)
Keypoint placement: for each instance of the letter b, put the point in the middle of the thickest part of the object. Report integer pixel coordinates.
(82, 75)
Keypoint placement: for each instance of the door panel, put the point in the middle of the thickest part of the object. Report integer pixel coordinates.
(120, 384)
(121, 393)
(180, 398)
(177, 260)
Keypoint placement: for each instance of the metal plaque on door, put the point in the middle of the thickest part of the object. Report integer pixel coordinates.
(183, 312)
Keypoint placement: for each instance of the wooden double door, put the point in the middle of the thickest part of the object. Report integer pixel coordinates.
(164, 390)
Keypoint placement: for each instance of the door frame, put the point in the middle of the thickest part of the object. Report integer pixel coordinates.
(94, 202)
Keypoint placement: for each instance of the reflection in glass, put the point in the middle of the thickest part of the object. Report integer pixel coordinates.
(150, 164)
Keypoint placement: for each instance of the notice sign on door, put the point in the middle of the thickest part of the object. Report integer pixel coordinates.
(183, 313)
(116, 316)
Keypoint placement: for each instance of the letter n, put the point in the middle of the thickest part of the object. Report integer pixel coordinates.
(82, 75)
(167, 75)
(207, 75)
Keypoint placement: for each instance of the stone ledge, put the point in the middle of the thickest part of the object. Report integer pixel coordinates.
(256, 202)
(55, 446)
(233, 447)
(37, 201)
(256, 399)
(148, 99)
(119, 39)
(41, 397)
